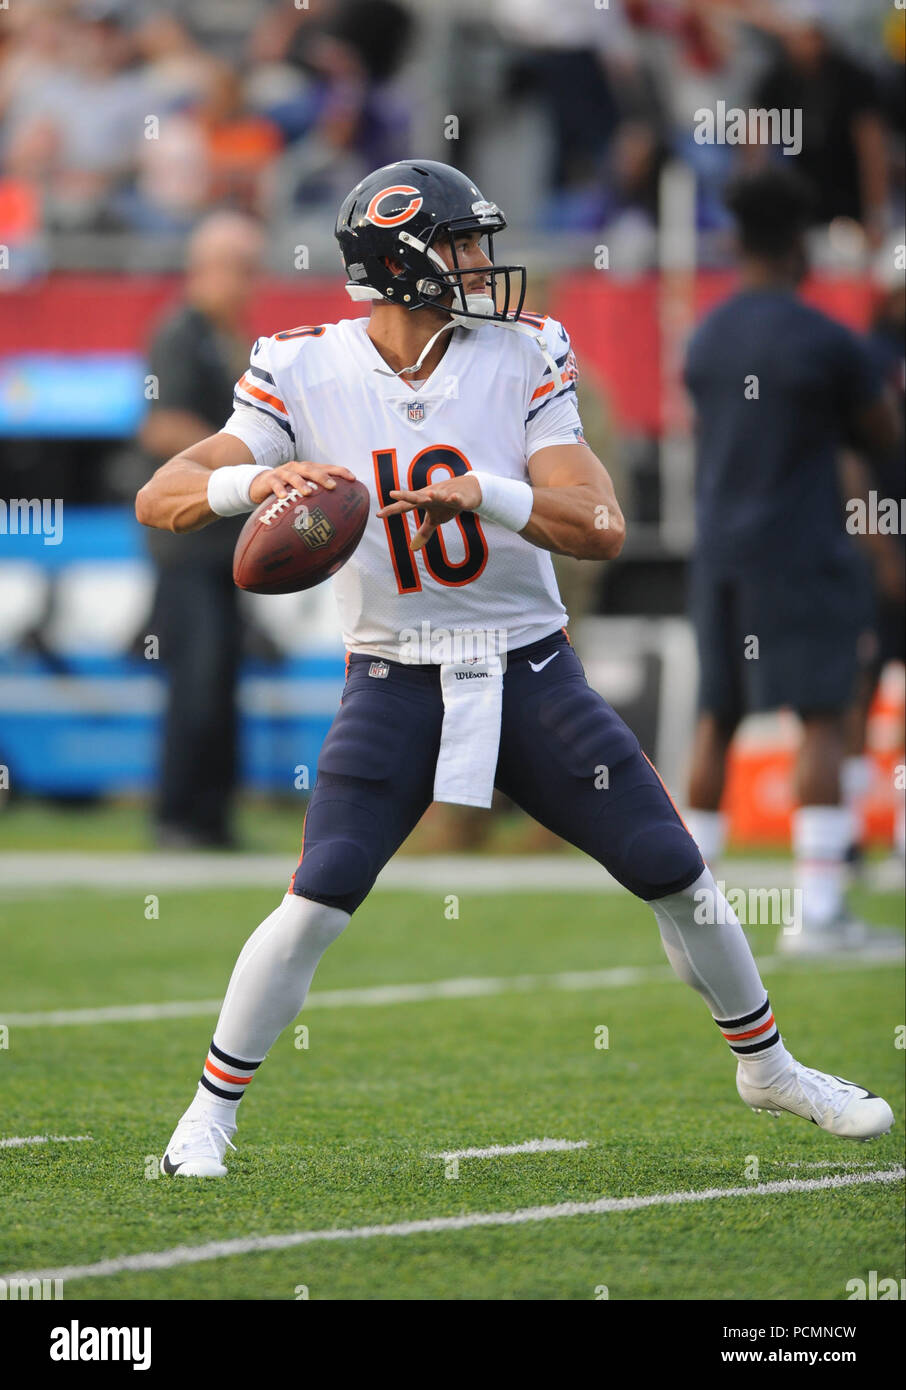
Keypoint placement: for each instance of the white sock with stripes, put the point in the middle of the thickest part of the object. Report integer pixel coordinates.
(267, 989)
(708, 950)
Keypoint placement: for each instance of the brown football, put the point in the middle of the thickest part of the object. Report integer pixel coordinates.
(295, 542)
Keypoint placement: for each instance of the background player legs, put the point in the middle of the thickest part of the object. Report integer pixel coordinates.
(856, 768)
(197, 614)
(820, 757)
(808, 656)
(714, 606)
(710, 747)
(822, 826)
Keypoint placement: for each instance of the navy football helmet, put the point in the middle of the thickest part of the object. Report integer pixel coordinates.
(398, 214)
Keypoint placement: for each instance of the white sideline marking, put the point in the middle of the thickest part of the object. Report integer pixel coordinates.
(824, 1163)
(18, 1141)
(118, 1013)
(531, 1146)
(368, 997)
(34, 871)
(30, 872)
(219, 1249)
(376, 996)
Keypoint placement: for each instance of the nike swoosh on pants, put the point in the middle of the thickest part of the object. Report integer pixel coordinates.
(541, 664)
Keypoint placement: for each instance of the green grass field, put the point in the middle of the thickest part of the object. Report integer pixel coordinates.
(339, 1135)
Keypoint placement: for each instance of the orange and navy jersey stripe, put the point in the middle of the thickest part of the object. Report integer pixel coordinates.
(529, 316)
(257, 388)
(752, 1032)
(548, 386)
(554, 386)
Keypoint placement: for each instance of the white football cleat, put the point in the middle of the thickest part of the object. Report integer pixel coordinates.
(841, 1107)
(196, 1150)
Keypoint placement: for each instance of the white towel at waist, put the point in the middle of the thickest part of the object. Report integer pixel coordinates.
(470, 735)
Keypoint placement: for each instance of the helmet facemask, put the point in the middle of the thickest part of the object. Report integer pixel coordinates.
(432, 289)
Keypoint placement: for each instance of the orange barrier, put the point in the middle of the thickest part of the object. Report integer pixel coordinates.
(758, 798)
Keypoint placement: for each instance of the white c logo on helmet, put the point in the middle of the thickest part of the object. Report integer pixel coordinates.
(411, 208)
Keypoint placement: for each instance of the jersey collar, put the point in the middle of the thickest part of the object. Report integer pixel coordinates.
(437, 384)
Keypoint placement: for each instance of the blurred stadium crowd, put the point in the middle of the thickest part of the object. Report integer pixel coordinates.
(124, 121)
(139, 136)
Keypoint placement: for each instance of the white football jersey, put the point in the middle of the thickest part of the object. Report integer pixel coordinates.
(325, 395)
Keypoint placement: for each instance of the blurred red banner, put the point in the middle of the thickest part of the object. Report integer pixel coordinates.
(613, 324)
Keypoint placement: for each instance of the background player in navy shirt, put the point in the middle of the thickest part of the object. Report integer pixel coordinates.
(779, 594)
(884, 548)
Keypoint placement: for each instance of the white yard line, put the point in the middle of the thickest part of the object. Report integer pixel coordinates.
(30, 872)
(251, 1245)
(116, 1013)
(377, 996)
(824, 1163)
(530, 1146)
(154, 872)
(18, 1142)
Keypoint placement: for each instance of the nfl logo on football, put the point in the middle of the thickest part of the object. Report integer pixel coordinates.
(416, 412)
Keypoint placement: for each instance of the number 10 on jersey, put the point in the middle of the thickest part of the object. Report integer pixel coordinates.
(422, 469)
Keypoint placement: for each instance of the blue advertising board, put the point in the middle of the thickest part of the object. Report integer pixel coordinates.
(81, 714)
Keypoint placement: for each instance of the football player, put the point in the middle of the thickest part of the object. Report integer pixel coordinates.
(458, 411)
(779, 388)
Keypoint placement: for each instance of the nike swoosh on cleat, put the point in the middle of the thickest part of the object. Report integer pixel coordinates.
(866, 1094)
(169, 1168)
(541, 664)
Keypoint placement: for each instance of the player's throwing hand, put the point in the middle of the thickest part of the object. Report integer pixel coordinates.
(441, 502)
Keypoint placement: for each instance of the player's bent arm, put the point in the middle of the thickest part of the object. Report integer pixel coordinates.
(575, 509)
(569, 506)
(176, 497)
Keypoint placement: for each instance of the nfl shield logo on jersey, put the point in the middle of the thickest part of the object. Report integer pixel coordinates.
(416, 412)
(380, 669)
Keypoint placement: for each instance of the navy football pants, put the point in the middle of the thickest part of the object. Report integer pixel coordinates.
(565, 757)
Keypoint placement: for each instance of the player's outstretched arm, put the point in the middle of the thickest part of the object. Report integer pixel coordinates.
(176, 497)
(574, 509)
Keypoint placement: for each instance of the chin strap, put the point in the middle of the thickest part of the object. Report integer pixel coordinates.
(484, 305)
(406, 371)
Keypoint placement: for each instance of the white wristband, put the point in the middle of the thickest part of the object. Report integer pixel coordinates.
(228, 488)
(504, 500)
